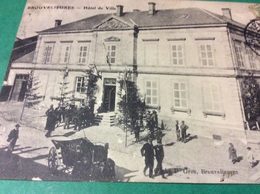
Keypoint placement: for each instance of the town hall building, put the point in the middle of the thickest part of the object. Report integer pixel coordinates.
(187, 64)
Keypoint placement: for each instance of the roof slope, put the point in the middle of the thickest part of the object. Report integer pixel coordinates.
(28, 58)
(171, 17)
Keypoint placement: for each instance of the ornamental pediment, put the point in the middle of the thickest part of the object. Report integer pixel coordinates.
(112, 39)
(112, 24)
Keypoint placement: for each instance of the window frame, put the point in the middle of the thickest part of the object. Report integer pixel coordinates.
(206, 43)
(63, 53)
(47, 54)
(177, 58)
(80, 87)
(110, 57)
(147, 46)
(239, 54)
(151, 96)
(212, 100)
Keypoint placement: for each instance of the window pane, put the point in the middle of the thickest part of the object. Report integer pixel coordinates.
(148, 100)
(177, 102)
(148, 92)
(154, 92)
(176, 86)
(148, 84)
(154, 100)
(183, 94)
(176, 94)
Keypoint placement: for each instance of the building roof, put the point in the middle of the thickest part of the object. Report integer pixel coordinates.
(28, 58)
(161, 18)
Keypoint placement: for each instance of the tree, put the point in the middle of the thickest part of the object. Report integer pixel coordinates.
(32, 96)
(64, 94)
(130, 103)
(91, 88)
(250, 97)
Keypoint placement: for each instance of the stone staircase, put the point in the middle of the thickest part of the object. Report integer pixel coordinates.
(105, 119)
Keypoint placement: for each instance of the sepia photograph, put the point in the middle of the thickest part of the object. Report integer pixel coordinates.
(133, 91)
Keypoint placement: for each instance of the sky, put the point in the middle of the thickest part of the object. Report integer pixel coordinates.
(39, 19)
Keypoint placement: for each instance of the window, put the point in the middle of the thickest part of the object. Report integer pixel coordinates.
(177, 54)
(180, 95)
(83, 54)
(238, 51)
(212, 97)
(206, 54)
(80, 86)
(251, 58)
(111, 53)
(65, 53)
(151, 89)
(151, 52)
(48, 50)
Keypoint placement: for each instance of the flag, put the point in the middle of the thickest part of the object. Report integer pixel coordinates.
(107, 56)
(96, 72)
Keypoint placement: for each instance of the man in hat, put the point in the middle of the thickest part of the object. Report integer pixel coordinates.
(148, 152)
(159, 155)
(12, 138)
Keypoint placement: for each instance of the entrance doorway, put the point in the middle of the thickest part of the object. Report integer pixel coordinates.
(19, 87)
(109, 97)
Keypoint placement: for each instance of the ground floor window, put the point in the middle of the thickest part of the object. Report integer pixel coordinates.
(80, 86)
(151, 91)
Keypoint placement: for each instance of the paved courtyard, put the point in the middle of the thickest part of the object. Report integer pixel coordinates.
(200, 160)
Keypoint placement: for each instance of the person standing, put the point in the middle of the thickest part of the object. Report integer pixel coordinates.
(148, 152)
(184, 128)
(12, 138)
(232, 153)
(250, 157)
(51, 121)
(178, 131)
(137, 131)
(159, 155)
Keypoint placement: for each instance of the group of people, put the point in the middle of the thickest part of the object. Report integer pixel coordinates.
(149, 152)
(148, 121)
(234, 158)
(181, 131)
(81, 117)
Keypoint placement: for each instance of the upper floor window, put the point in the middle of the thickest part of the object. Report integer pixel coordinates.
(65, 53)
(251, 56)
(48, 50)
(177, 53)
(151, 90)
(151, 53)
(82, 54)
(180, 99)
(80, 85)
(239, 55)
(111, 53)
(206, 54)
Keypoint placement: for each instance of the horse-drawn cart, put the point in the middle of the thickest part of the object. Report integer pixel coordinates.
(87, 161)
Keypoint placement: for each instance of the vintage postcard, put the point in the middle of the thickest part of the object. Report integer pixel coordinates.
(133, 91)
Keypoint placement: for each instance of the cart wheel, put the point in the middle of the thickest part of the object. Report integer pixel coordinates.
(52, 160)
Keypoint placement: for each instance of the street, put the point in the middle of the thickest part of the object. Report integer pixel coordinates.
(200, 160)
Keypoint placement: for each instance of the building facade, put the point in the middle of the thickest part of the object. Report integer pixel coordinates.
(187, 64)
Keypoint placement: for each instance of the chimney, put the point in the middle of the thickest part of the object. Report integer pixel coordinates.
(227, 13)
(119, 10)
(151, 8)
(57, 23)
